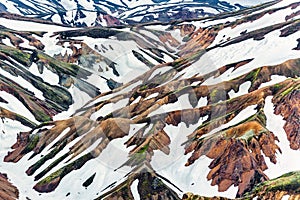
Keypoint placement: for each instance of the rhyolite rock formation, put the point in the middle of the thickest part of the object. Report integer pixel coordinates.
(237, 152)
(7, 190)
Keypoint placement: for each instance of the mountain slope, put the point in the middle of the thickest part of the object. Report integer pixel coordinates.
(138, 103)
(7, 190)
(93, 13)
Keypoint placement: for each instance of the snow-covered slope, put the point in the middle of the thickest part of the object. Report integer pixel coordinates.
(94, 12)
(85, 101)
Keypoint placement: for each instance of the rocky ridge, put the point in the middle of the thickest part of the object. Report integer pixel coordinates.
(58, 148)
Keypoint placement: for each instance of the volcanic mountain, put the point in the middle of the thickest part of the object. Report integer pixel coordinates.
(82, 13)
(149, 107)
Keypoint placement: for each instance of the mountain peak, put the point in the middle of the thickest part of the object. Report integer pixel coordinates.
(160, 100)
(83, 13)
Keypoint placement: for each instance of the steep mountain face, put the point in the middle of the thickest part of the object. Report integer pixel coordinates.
(108, 13)
(150, 110)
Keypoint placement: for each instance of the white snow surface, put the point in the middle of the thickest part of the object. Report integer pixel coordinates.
(270, 51)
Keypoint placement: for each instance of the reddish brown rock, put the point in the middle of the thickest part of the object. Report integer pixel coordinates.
(7, 190)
